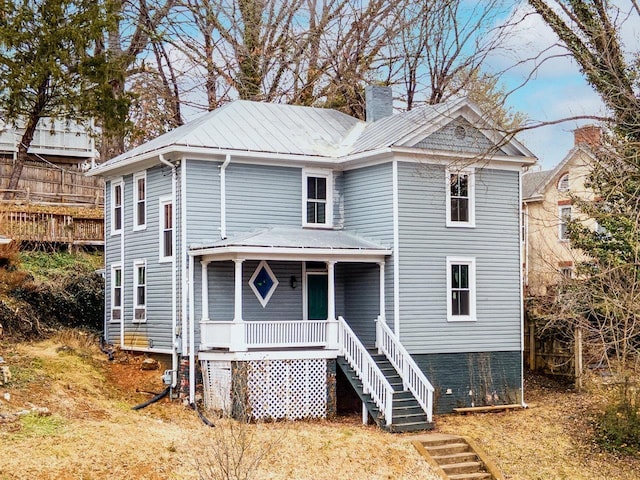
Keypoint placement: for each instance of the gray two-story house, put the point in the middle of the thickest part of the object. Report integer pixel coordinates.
(268, 245)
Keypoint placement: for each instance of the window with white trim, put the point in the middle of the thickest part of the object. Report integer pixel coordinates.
(140, 201)
(460, 198)
(166, 229)
(140, 291)
(461, 289)
(564, 215)
(317, 192)
(563, 183)
(116, 293)
(116, 207)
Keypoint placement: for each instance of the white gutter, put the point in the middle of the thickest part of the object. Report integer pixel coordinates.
(520, 220)
(192, 341)
(174, 316)
(396, 254)
(183, 255)
(223, 197)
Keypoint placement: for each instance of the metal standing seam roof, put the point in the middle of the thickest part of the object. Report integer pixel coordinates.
(297, 237)
(387, 131)
(257, 127)
(290, 130)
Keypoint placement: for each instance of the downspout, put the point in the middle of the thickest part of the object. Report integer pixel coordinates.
(174, 317)
(223, 197)
(521, 220)
(192, 342)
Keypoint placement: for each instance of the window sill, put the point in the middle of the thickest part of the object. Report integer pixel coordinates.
(461, 225)
(458, 319)
(139, 228)
(318, 226)
(165, 259)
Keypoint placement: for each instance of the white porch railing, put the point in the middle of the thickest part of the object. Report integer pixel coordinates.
(239, 336)
(373, 380)
(412, 376)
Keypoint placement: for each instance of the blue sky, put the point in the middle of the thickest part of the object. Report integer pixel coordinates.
(557, 91)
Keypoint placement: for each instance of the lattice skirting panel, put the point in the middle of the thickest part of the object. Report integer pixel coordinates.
(291, 389)
(216, 379)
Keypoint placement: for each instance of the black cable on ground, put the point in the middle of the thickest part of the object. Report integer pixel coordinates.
(204, 419)
(159, 396)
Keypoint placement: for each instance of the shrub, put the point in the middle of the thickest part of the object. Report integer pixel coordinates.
(618, 428)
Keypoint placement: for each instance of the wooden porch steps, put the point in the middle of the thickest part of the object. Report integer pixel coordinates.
(408, 415)
(456, 458)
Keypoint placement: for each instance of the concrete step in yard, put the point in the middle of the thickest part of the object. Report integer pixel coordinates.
(456, 458)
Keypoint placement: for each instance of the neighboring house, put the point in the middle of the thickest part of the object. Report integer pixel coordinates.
(547, 206)
(272, 243)
(54, 201)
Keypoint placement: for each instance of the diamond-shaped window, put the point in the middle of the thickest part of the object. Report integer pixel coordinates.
(263, 283)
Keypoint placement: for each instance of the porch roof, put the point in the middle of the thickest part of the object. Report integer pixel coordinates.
(294, 243)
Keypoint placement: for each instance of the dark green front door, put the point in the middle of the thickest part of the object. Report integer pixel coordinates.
(317, 296)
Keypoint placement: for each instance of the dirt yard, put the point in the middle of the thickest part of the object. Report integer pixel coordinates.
(66, 414)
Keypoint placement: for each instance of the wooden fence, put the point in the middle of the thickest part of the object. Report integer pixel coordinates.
(51, 204)
(49, 227)
(49, 184)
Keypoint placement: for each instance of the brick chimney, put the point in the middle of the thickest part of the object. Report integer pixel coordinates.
(379, 102)
(590, 135)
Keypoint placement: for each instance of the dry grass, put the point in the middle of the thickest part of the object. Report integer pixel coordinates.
(90, 432)
(552, 439)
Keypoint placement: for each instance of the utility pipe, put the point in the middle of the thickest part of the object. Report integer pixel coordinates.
(174, 316)
(223, 197)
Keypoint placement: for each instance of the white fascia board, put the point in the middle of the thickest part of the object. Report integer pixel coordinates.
(269, 355)
(173, 151)
(291, 253)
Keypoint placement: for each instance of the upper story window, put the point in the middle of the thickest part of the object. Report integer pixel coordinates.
(318, 198)
(116, 206)
(460, 188)
(139, 201)
(564, 215)
(116, 293)
(140, 291)
(166, 229)
(563, 183)
(461, 288)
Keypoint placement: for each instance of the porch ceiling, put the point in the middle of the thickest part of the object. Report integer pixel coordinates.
(291, 243)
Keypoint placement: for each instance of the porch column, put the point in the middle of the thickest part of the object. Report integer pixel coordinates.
(331, 290)
(383, 307)
(332, 323)
(238, 337)
(205, 290)
(237, 310)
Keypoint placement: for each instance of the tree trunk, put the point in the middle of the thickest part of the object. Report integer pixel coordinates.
(27, 137)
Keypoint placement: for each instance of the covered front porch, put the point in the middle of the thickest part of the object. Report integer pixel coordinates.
(283, 289)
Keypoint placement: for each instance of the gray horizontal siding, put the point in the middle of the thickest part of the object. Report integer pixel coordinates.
(143, 245)
(112, 255)
(203, 201)
(368, 211)
(362, 299)
(262, 196)
(425, 242)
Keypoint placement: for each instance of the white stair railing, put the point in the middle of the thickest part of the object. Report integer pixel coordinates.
(373, 380)
(412, 377)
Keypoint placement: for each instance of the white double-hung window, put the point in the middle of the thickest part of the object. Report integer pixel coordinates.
(317, 194)
(460, 198)
(139, 291)
(116, 292)
(166, 229)
(564, 214)
(461, 289)
(140, 201)
(117, 187)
